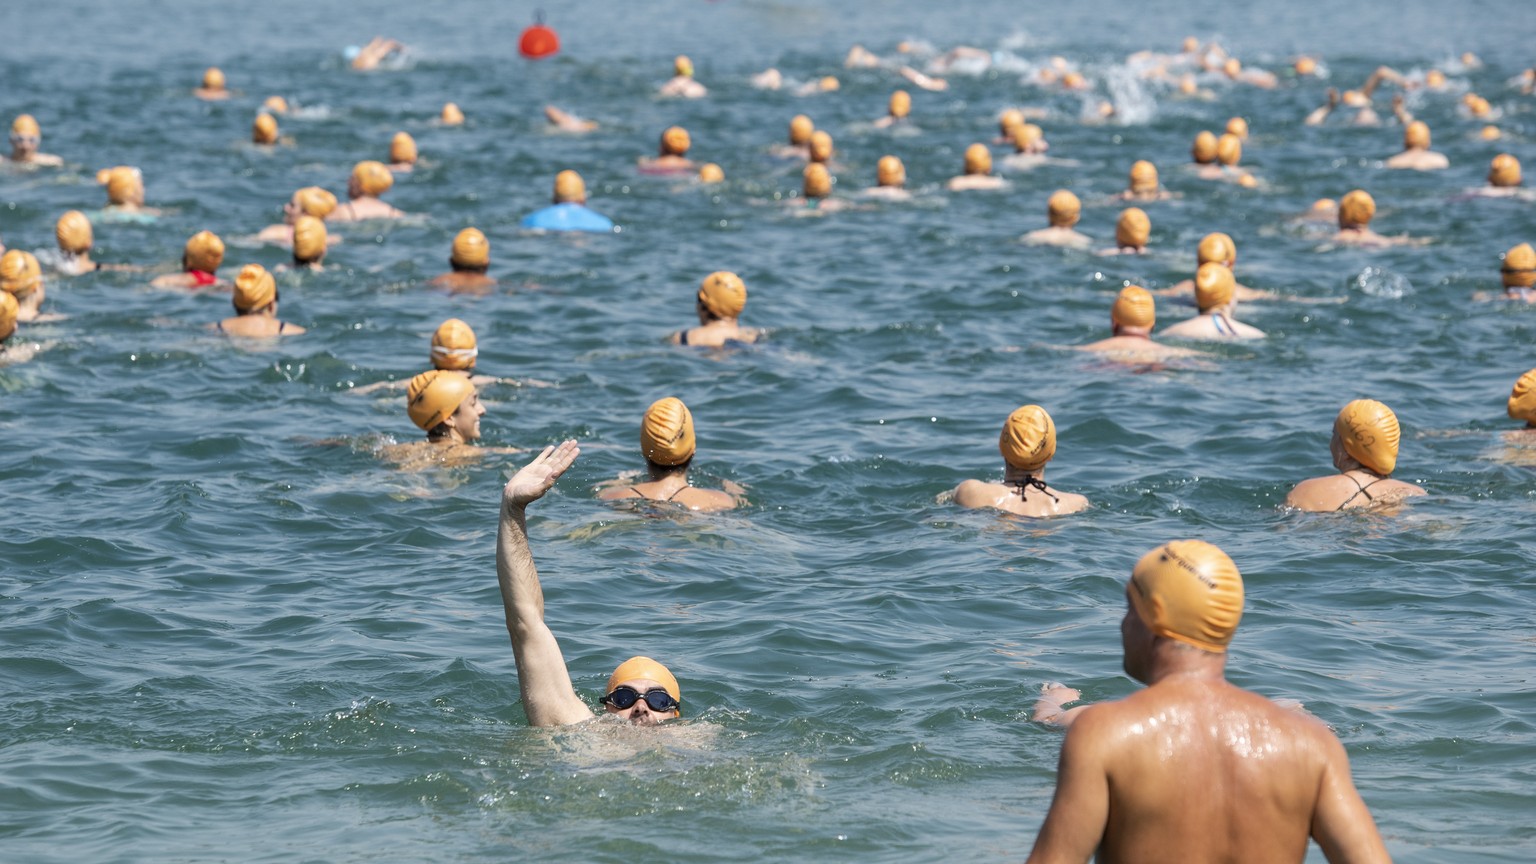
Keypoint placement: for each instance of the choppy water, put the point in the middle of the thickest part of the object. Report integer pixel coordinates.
(226, 641)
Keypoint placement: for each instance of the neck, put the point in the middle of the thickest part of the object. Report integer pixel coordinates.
(660, 473)
(1174, 660)
(1019, 475)
(1129, 332)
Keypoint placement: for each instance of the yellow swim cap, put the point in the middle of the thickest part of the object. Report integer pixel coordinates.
(213, 79)
(314, 201)
(675, 141)
(1491, 133)
(1214, 286)
(26, 124)
(1434, 78)
(1519, 267)
(402, 148)
(1204, 149)
(309, 239)
(1133, 228)
(1305, 66)
(20, 274)
(1134, 308)
(1232, 67)
(451, 115)
(829, 83)
(666, 432)
(818, 183)
(264, 130)
(1239, 127)
(1479, 106)
(1229, 149)
(470, 250)
(1029, 438)
(1191, 45)
(254, 289)
(1143, 177)
(1323, 205)
(978, 159)
(570, 188)
(73, 232)
(682, 66)
(1504, 171)
(638, 668)
(125, 185)
(1416, 136)
(9, 309)
(276, 104)
(1356, 209)
(1522, 400)
(800, 129)
(204, 251)
(890, 172)
(709, 172)
(1073, 81)
(723, 294)
(1216, 246)
(1010, 120)
(372, 178)
(434, 395)
(1063, 209)
(821, 146)
(1369, 432)
(1188, 591)
(454, 346)
(1187, 85)
(901, 104)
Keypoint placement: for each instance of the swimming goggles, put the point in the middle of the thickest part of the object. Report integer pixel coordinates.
(655, 698)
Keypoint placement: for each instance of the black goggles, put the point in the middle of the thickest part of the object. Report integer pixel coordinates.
(655, 698)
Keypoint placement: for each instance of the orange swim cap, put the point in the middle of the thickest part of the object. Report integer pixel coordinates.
(434, 395)
(470, 250)
(372, 178)
(125, 185)
(1133, 228)
(451, 115)
(1214, 286)
(213, 79)
(978, 159)
(26, 124)
(1416, 136)
(9, 309)
(1204, 149)
(1369, 433)
(1356, 209)
(204, 251)
(1188, 591)
(709, 172)
(276, 104)
(1134, 308)
(1239, 127)
(1063, 209)
(402, 148)
(1229, 149)
(1504, 171)
(821, 146)
(264, 129)
(1216, 246)
(1522, 400)
(1143, 177)
(254, 289)
(890, 172)
(1305, 66)
(723, 294)
(1010, 120)
(1519, 267)
(644, 668)
(309, 239)
(570, 188)
(1232, 67)
(314, 201)
(73, 233)
(666, 432)
(20, 274)
(675, 141)
(681, 65)
(1028, 440)
(818, 183)
(454, 346)
(800, 130)
(901, 104)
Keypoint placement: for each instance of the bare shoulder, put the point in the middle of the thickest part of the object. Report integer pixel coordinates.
(1071, 502)
(613, 493)
(1314, 493)
(705, 500)
(975, 493)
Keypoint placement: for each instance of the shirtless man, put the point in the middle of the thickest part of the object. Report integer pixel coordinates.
(1214, 290)
(1503, 178)
(369, 180)
(978, 172)
(213, 89)
(1416, 154)
(668, 445)
(1217, 247)
(255, 300)
(640, 690)
(897, 111)
(200, 261)
(672, 155)
(1062, 210)
(890, 180)
(682, 82)
(1364, 448)
(1131, 320)
(722, 296)
(309, 201)
(470, 258)
(26, 137)
(1132, 231)
(1028, 442)
(1193, 769)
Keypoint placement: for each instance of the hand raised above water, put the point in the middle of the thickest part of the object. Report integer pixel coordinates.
(534, 479)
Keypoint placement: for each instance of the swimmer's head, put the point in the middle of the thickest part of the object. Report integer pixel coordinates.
(978, 159)
(1216, 246)
(213, 78)
(1143, 177)
(73, 233)
(1356, 209)
(890, 172)
(643, 671)
(1204, 149)
(471, 251)
(125, 185)
(314, 201)
(901, 104)
(1518, 269)
(1416, 136)
(800, 130)
(821, 146)
(675, 141)
(1239, 127)
(1074, 81)
(709, 172)
(20, 274)
(681, 65)
(1214, 286)
(1133, 308)
(1026, 137)
(402, 148)
(1324, 206)
(828, 83)
(1479, 106)
(1232, 67)
(1010, 120)
(817, 181)
(451, 115)
(255, 289)
(1491, 133)
(723, 294)
(1504, 171)
(570, 188)
(204, 251)
(1434, 79)
(1133, 229)
(264, 129)
(309, 240)
(1522, 400)
(1191, 45)
(1368, 433)
(1028, 440)
(1305, 66)
(435, 395)
(9, 309)
(276, 104)
(666, 433)
(1187, 85)
(1188, 591)
(370, 179)
(454, 346)
(1229, 149)
(1063, 209)
(26, 125)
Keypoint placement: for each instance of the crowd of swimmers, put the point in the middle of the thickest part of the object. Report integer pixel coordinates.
(1184, 599)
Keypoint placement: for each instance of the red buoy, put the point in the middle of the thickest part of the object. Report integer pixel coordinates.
(539, 41)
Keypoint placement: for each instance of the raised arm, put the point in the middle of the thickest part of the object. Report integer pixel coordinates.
(545, 683)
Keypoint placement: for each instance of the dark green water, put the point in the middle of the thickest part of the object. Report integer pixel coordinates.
(226, 642)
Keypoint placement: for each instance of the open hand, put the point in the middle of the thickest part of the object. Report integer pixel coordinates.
(534, 479)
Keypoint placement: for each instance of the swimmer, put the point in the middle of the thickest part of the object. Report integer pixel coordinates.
(469, 259)
(26, 137)
(667, 443)
(1007, 123)
(799, 147)
(402, 153)
(200, 262)
(890, 179)
(897, 111)
(369, 180)
(21, 277)
(1027, 443)
(1144, 184)
(1131, 233)
(1518, 272)
(1282, 775)
(569, 211)
(309, 201)
(75, 239)
(859, 57)
(1214, 290)
(1320, 114)
(11, 352)
(640, 691)
(1063, 210)
(455, 349)
(978, 172)
(1416, 154)
(1503, 178)
(125, 192)
(310, 240)
(824, 84)
(375, 52)
(722, 295)
(672, 155)
(264, 131)
(768, 79)
(1238, 73)
(1029, 146)
(682, 83)
(1522, 399)
(452, 115)
(213, 88)
(816, 185)
(821, 148)
(1325, 210)
(1203, 154)
(1238, 126)
(924, 81)
(710, 173)
(1130, 323)
(1305, 67)
(255, 302)
(1364, 448)
(1229, 151)
(565, 122)
(275, 105)
(1220, 248)
(1356, 210)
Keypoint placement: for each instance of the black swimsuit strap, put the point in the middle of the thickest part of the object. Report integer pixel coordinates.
(1360, 491)
(679, 491)
(1030, 480)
